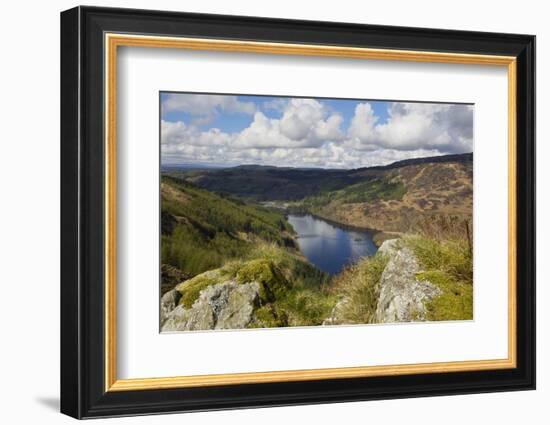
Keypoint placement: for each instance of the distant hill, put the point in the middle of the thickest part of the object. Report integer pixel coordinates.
(269, 183)
(460, 157)
(260, 183)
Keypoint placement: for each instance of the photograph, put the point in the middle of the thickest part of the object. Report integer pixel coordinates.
(286, 211)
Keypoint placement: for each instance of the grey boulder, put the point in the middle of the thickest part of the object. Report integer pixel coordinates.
(226, 305)
(402, 296)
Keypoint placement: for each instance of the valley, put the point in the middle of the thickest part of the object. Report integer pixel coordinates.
(257, 246)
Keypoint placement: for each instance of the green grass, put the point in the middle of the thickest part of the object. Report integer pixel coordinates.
(358, 285)
(210, 229)
(304, 300)
(366, 191)
(455, 301)
(453, 258)
(372, 190)
(448, 265)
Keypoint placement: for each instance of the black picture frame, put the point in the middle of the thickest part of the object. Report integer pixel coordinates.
(83, 392)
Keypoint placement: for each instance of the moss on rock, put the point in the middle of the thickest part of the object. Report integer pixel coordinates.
(272, 282)
(191, 289)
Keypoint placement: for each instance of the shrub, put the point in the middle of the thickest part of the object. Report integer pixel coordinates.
(306, 307)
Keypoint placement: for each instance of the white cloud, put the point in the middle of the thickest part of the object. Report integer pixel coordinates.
(304, 123)
(300, 117)
(410, 126)
(178, 133)
(275, 104)
(363, 127)
(205, 107)
(308, 134)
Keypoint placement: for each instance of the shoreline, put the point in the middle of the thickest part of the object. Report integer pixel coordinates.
(378, 236)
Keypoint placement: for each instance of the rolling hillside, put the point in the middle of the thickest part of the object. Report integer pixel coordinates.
(399, 199)
(216, 245)
(391, 198)
(202, 230)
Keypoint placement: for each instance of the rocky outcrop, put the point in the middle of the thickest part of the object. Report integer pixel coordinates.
(389, 247)
(168, 303)
(402, 296)
(226, 305)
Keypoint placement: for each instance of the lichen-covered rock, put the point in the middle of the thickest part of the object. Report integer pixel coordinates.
(226, 305)
(168, 303)
(389, 247)
(402, 297)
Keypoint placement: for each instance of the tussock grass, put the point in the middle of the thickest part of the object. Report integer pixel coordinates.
(452, 258)
(305, 300)
(359, 286)
(442, 227)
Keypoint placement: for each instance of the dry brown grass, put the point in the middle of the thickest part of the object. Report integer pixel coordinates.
(443, 189)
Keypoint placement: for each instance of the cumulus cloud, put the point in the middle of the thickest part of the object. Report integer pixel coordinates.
(178, 133)
(276, 104)
(205, 107)
(308, 134)
(304, 123)
(444, 127)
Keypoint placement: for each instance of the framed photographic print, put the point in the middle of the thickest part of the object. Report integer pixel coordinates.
(261, 212)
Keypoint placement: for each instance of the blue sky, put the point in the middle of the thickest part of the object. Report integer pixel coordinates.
(235, 122)
(307, 132)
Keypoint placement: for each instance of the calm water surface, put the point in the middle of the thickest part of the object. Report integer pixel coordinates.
(329, 247)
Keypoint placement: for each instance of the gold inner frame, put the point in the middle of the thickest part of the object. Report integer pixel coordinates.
(113, 41)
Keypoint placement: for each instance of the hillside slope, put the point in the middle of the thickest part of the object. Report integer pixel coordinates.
(392, 198)
(201, 230)
(399, 199)
(235, 255)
